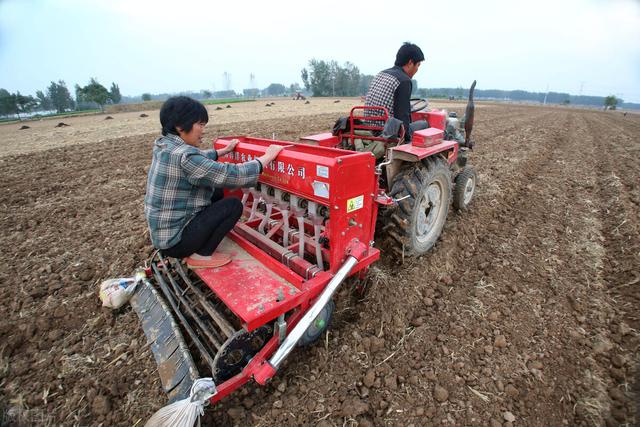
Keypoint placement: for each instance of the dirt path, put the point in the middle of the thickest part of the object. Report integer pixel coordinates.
(527, 307)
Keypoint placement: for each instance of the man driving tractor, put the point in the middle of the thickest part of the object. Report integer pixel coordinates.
(392, 88)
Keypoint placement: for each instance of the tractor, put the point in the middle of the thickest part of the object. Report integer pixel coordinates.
(417, 181)
(316, 217)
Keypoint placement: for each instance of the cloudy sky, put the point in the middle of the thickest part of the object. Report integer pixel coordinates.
(589, 47)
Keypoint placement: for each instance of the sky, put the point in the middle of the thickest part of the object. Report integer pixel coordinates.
(582, 47)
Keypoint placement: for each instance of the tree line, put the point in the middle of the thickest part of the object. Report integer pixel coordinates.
(608, 102)
(320, 78)
(328, 78)
(57, 97)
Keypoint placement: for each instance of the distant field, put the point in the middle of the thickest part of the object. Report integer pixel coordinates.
(50, 116)
(155, 105)
(226, 101)
(43, 134)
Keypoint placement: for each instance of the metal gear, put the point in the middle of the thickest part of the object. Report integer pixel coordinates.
(238, 350)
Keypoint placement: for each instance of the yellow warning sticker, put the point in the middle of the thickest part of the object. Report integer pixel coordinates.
(355, 203)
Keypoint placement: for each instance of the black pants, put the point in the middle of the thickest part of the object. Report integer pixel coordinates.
(206, 230)
(418, 125)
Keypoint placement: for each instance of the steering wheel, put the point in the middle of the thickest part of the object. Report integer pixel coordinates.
(418, 104)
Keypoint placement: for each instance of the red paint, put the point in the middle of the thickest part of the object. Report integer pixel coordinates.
(325, 139)
(448, 147)
(427, 137)
(436, 118)
(348, 175)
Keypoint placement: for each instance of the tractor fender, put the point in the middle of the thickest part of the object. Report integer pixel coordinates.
(408, 153)
(413, 153)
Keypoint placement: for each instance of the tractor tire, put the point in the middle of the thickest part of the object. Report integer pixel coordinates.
(417, 223)
(464, 188)
(318, 326)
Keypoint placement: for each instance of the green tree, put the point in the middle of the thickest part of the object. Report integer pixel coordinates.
(95, 92)
(320, 78)
(347, 79)
(294, 87)
(363, 84)
(146, 97)
(59, 96)
(251, 93)
(7, 103)
(44, 102)
(24, 103)
(15, 103)
(224, 93)
(611, 102)
(275, 89)
(78, 91)
(114, 94)
(331, 79)
(206, 94)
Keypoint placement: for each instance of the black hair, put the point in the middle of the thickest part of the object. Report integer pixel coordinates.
(408, 51)
(182, 112)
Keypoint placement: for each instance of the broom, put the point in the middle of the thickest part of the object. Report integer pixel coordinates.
(185, 412)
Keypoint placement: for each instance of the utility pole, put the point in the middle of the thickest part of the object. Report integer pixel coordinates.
(545, 96)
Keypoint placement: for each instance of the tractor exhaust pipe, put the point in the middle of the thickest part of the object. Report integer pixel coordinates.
(469, 115)
(268, 369)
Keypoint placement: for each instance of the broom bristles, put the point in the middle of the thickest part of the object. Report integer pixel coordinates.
(185, 412)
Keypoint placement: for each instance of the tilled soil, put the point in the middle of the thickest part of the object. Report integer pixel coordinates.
(525, 313)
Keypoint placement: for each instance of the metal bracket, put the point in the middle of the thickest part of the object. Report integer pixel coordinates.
(280, 328)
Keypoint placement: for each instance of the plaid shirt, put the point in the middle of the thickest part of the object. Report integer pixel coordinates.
(391, 89)
(181, 182)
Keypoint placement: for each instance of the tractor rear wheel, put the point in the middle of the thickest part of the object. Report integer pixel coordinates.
(425, 192)
(464, 189)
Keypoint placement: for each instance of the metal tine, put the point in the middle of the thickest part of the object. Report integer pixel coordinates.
(214, 336)
(206, 323)
(162, 262)
(214, 340)
(217, 344)
(222, 323)
(190, 331)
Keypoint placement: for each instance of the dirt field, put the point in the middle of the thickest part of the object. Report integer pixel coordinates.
(525, 313)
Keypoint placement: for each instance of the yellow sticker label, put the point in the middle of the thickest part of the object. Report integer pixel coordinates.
(355, 203)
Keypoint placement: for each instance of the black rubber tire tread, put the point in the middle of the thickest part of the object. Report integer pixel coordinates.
(459, 188)
(412, 181)
(308, 339)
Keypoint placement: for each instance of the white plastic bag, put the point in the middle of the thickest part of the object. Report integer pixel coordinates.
(114, 293)
(185, 412)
